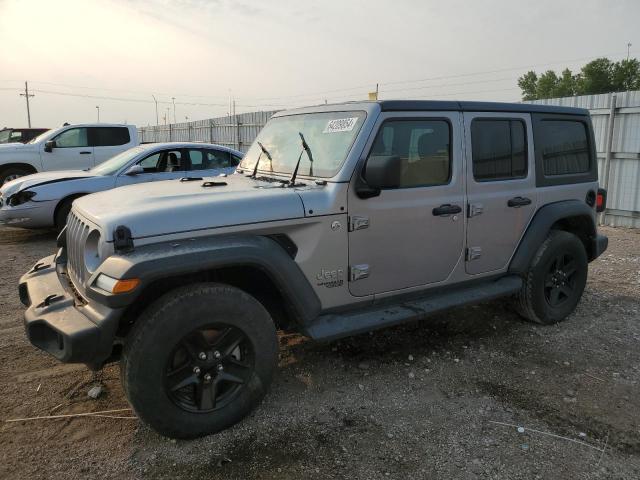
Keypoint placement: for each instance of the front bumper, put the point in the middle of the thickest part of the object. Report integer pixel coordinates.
(29, 215)
(62, 324)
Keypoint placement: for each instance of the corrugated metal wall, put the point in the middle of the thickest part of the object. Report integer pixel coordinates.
(237, 131)
(623, 202)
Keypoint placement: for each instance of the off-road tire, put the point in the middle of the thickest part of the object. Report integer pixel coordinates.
(532, 302)
(164, 325)
(6, 173)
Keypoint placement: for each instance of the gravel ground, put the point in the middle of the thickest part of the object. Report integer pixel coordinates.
(438, 399)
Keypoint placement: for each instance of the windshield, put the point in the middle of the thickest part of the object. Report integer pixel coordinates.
(4, 136)
(114, 164)
(329, 136)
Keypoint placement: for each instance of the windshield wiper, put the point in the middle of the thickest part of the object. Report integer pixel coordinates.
(305, 148)
(255, 167)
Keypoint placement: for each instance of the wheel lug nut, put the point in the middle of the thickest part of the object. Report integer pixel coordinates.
(207, 377)
(220, 367)
(216, 354)
(202, 356)
(196, 370)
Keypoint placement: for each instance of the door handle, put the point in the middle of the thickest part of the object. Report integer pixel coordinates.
(517, 202)
(85, 153)
(446, 209)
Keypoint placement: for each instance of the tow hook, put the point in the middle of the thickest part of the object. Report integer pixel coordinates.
(50, 299)
(39, 266)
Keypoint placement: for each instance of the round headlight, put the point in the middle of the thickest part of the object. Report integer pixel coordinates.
(92, 251)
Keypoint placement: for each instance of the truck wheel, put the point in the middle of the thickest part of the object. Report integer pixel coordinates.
(555, 280)
(12, 173)
(199, 359)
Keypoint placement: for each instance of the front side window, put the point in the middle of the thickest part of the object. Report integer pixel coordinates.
(499, 149)
(329, 136)
(564, 147)
(109, 136)
(74, 137)
(167, 161)
(424, 147)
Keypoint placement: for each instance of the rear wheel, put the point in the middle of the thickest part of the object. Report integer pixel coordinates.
(199, 360)
(11, 173)
(555, 280)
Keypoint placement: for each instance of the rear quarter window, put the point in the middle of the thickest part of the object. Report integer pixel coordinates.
(110, 136)
(564, 147)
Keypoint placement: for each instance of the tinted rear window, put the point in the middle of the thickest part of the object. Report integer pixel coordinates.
(110, 136)
(564, 147)
(499, 149)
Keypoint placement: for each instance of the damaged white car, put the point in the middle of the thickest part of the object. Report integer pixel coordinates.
(43, 200)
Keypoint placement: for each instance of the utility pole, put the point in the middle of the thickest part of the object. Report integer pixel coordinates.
(98, 108)
(173, 100)
(156, 102)
(168, 116)
(628, 50)
(26, 95)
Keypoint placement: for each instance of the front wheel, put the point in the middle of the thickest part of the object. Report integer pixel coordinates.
(199, 360)
(11, 173)
(556, 278)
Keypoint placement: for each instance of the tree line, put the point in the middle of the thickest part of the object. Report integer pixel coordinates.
(598, 76)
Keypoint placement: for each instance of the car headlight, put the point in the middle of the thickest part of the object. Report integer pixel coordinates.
(20, 198)
(92, 253)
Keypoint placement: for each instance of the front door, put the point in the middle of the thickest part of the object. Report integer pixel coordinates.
(163, 165)
(501, 190)
(71, 151)
(412, 235)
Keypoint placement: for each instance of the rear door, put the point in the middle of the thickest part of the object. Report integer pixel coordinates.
(501, 192)
(413, 235)
(71, 151)
(108, 141)
(209, 162)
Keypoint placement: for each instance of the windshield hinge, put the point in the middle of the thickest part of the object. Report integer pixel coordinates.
(358, 223)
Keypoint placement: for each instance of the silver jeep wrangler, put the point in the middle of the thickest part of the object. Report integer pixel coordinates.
(341, 219)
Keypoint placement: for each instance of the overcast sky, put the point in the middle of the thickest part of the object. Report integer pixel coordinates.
(278, 54)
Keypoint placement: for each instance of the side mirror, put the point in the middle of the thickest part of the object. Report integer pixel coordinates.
(380, 171)
(49, 146)
(134, 170)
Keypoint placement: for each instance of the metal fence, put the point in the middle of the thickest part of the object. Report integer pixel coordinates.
(237, 131)
(616, 123)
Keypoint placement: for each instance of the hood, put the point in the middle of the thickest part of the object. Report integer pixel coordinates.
(172, 206)
(12, 147)
(43, 178)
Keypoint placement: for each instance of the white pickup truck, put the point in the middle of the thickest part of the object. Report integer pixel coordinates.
(71, 147)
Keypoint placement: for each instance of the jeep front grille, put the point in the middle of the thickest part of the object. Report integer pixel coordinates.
(77, 233)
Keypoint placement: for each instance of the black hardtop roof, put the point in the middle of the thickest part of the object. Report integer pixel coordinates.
(446, 105)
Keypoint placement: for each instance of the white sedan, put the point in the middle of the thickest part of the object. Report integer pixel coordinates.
(44, 200)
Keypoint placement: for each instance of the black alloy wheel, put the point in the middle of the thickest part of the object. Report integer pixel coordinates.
(208, 368)
(559, 284)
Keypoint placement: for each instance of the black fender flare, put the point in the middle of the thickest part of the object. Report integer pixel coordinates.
(171, 259)
(540, 226)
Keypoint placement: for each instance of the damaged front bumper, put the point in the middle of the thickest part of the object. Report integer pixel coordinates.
(60, 322)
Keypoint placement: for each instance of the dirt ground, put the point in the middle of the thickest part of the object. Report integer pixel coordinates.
(438, 399)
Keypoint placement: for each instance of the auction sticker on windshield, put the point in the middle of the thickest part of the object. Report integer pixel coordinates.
(340, 125)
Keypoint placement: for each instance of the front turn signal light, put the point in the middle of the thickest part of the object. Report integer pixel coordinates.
(113, 285)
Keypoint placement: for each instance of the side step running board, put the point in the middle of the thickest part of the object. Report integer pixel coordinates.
(333, 326)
